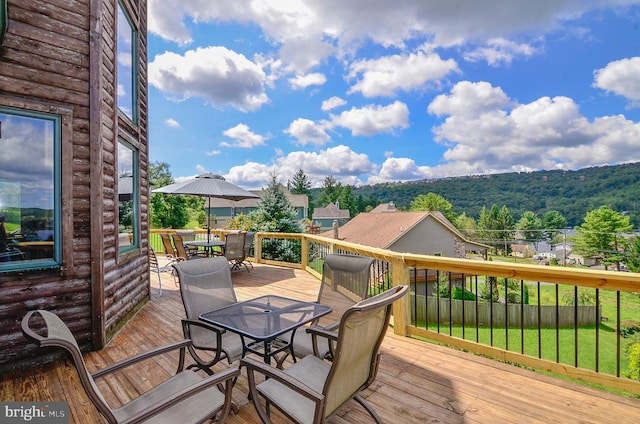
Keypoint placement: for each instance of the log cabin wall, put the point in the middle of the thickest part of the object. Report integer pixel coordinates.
(59, 57)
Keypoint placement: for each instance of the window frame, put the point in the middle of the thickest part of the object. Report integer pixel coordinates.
(60, 121)
(135, 196)
(135, 112)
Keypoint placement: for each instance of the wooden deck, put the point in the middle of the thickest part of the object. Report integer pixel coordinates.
(418, 382)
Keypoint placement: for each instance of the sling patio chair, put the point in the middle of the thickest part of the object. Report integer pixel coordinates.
(169, 250)
(311, 390)
(185, 397)
(234, 250)
(345, 281)
(182, 251)
(154, 266)
(249, 236)
(206, 285)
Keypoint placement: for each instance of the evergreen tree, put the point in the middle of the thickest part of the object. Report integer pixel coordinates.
(300, 184)
(330, 191)
(346, 200)
(602, 235)
(274, 212)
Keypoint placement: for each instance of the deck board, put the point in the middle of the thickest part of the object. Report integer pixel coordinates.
(418, 382)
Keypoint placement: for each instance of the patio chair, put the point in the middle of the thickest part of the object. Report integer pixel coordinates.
(345, 281)
(154, 266)
(234, 250)
(248, 244)
(182, 251)
(311, 390)
(184, 397)
(169, 250)
(206, 285)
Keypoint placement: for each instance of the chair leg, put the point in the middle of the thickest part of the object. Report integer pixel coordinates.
(369, 409)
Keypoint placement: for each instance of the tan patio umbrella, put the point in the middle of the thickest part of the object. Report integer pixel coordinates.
(208, 185)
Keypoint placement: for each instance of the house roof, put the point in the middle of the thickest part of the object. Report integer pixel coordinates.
(381, 230)
(331, 211)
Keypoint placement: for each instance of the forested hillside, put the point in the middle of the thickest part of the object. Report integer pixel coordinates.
(572, 193)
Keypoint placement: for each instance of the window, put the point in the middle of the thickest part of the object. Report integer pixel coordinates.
(126, 60)
(128, 197)
(29, 190)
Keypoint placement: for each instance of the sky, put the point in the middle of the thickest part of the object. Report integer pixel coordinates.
(383, 91)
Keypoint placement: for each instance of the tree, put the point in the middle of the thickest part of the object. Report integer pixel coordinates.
(346, 200)
(602, 236)
(433, 202)
(274, 212)
(330, 191)
(531, 227)
(466, 224)
(495, 226)
(300, 184)
(553, 222)
(168, 211)
(632, 257)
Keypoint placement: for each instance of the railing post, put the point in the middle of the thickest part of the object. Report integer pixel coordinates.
(401, 308)
(304, 252)
(257, 248)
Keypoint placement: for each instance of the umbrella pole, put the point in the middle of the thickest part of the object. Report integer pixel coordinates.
(209, 221)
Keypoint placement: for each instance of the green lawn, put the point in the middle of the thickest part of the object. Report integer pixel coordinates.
(562, 349)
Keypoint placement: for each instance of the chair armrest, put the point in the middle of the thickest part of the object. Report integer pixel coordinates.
(141, 357)
(203, 324)
(279, 375)
(322, 332)
(227, 376)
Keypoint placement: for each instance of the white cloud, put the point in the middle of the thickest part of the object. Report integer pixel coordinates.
(213, 153)
(340, 161)
(307, 33)
(308, 132)
(217, 74)
(332, 103)
(499, 50)
(386, 75)
(172, 123)
(621, 77)
(487, 132)
(374, 119)
(243, 137)
(303, 81)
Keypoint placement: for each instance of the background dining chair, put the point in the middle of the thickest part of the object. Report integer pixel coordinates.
(185, 397)
(249, 236)
(182, 251)
(345, 281)
(154, 266)
(234, 250)
(311, 390)
(206, 285)
(169, 250)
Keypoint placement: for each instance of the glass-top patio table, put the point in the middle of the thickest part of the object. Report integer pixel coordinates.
(208, 246)
(263, 320)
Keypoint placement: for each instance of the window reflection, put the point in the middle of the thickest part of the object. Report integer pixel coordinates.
(126, 54)
(27, 196)
(127, 196)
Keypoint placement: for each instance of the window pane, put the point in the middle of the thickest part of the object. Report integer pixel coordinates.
(126, 63)
(28, 203)
(127, 197)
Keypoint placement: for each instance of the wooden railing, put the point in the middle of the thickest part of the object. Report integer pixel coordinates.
(558, 349)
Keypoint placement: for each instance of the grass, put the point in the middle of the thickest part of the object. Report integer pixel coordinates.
(560, 346)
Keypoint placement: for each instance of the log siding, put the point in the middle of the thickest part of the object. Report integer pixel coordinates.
(59, 57)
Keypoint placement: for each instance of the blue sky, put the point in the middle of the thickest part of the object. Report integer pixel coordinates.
(382, 91)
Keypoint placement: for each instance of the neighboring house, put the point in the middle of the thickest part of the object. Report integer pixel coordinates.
(325, 217)
(224, 209)
(521, 250)
(428, 233)
(73, 110)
